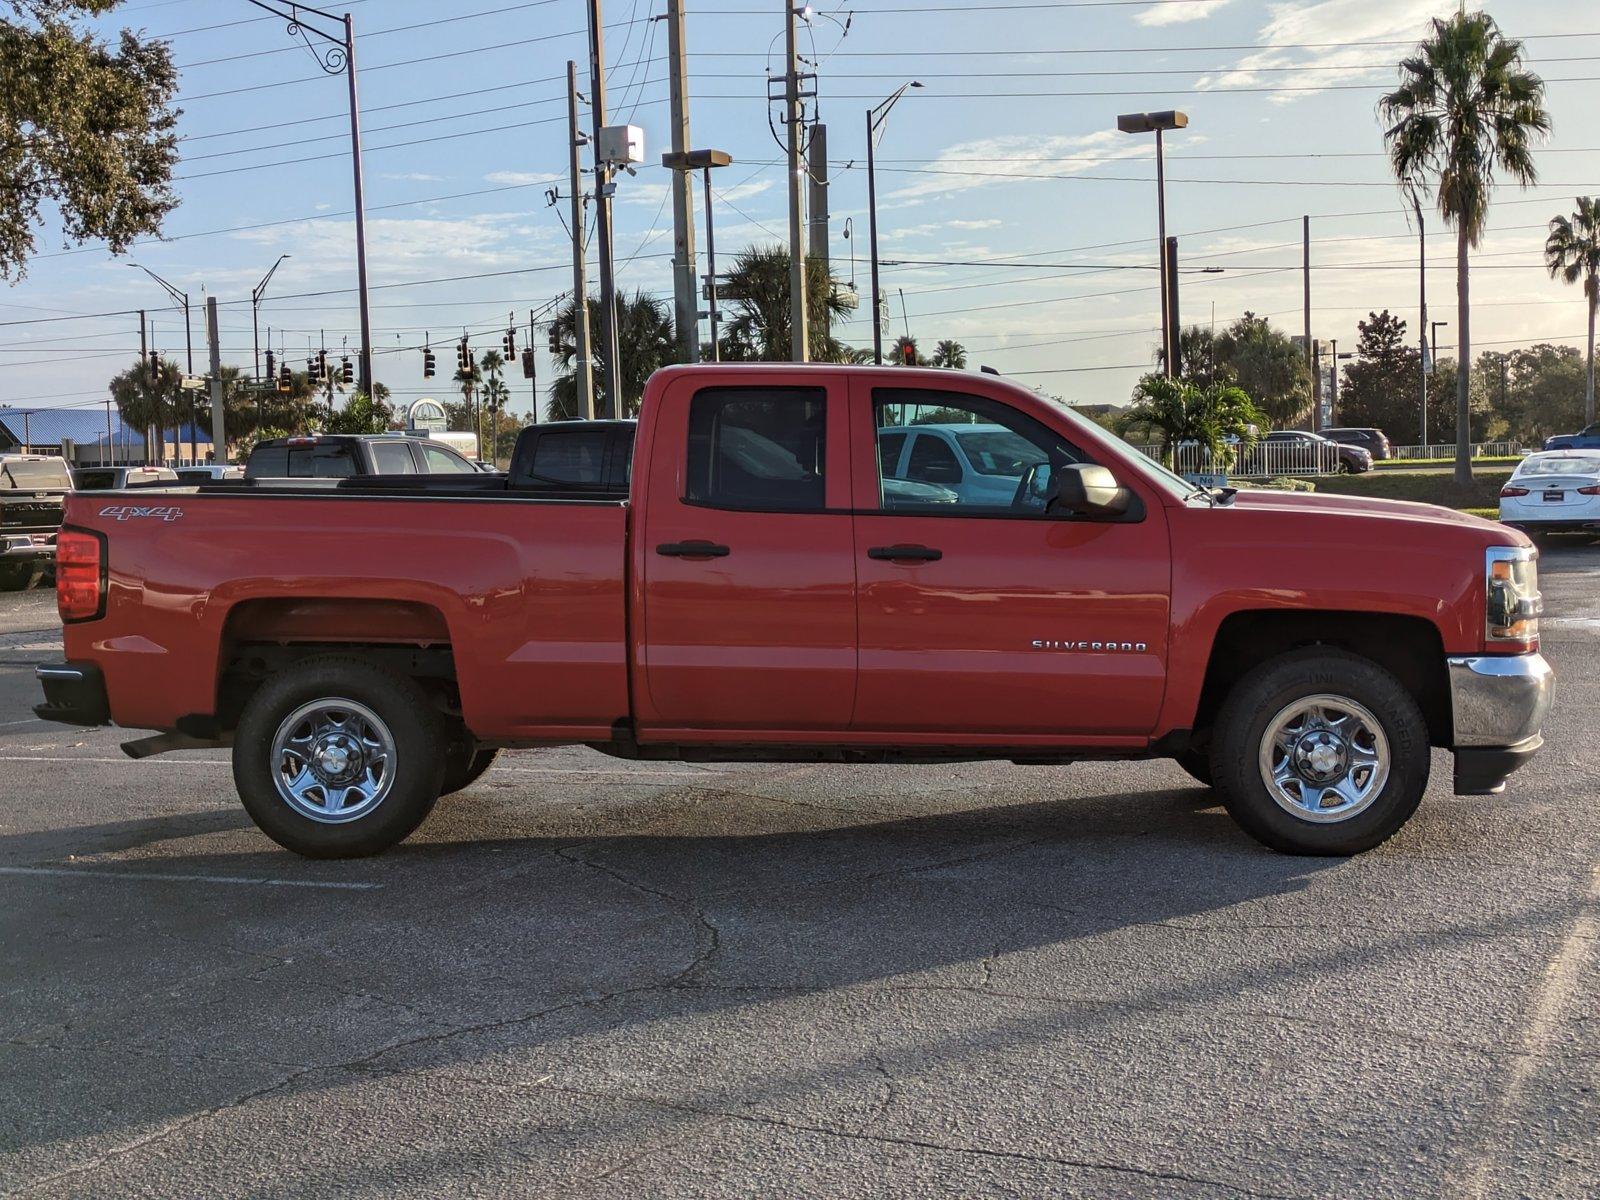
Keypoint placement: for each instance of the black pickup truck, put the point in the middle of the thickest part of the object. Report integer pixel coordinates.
(33, 492)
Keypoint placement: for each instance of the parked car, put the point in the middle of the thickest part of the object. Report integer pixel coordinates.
(1587, 438)
(1554, 492)
(756, 596)
(116, 479)
(209, 473)
(980, 463)
(1374, 441)
(33, 492)
(342, 455)
(1289, 451)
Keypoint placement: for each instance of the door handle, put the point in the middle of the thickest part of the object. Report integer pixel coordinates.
(692, 550)
(905, 554)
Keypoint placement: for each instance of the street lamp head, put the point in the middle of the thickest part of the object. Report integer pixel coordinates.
(1152, 121)
(696, 160)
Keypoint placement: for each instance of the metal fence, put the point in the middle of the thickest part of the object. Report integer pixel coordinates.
(1448, 450)
(1264, 460)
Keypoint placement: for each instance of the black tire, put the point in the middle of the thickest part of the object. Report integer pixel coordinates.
(20, 576)
(414, 772)
(1198, 765)
(1257, 700)
(465, 762)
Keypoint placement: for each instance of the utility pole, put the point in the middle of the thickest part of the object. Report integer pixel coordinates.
(533, 368)
(712, 316)
(219, 432)
(1333, 385)
(875, 119)
(582, 366)
(685, 297)
(144, 366)
(361, 214)
(799, 344)
(603, 187)
(1174, 349)
(1422, 325)
(1316, 397)
(817, 236)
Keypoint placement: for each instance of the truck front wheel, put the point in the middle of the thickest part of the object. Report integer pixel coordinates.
(334, 758)
(465, 762)
(1320, 752)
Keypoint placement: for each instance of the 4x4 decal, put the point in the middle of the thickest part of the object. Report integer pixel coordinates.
(128, 512)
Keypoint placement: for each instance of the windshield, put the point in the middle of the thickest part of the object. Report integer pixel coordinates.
(1567, 464)
(996, 451)
(1174, 485)
(34, 475)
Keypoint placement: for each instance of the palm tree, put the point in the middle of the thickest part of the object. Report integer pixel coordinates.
(1572, 252)
(1464, 109)
(952, 355)
(1217, 416)
(147, 396)
(645, 340)
(757, 290)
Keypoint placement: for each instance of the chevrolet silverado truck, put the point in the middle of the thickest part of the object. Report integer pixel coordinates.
(763, 593)
(33, 492)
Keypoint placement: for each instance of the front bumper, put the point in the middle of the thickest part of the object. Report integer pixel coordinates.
(74, 694)
(1498, 705)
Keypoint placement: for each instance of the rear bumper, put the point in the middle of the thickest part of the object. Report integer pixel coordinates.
(74, 694)
(1575, 525)
(22, 547)
(1498, 705)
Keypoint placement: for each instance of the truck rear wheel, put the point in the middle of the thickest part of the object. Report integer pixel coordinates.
(1320, 752)
(334, 758)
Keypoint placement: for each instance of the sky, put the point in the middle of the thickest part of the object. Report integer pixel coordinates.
(1005, 169)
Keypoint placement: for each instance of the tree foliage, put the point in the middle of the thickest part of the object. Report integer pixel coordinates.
(1465, 110)
(1382, 385)
(86, 130)
(1572, 253)
(1543, 392)
(757, 293)
(1267, 365)
(361, 414)
(646, 342)
(949, 354)
(148, 395)
(1218, 416)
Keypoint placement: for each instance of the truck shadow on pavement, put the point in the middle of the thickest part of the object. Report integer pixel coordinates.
(518, 946)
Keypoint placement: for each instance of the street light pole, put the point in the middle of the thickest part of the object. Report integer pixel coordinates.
(1157, 123)
(875, 120)
(338, 56)
(181, 299)
(256, 293)
(680, 163)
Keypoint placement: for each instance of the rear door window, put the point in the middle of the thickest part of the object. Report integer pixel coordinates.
(761, 449)
(439, 461)
(393, 458)
(321, 461)
(932, 461)
(570, 457)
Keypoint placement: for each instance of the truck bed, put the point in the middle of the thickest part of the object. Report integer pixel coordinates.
(201, 582)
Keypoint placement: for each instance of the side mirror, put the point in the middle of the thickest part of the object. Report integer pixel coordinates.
(1088, 490)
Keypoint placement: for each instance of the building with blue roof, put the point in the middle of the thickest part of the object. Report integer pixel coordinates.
(93, 436)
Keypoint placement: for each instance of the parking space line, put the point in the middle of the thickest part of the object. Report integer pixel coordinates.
(168, 877)
(1557, 989)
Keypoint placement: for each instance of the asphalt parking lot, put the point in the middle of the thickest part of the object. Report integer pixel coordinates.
(589, 978)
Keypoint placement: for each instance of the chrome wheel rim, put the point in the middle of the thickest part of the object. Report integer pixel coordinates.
(333, 760)
(1324, 758)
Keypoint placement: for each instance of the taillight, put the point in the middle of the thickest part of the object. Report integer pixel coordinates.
(1512, 490)
(1592, 490)
(80, 575)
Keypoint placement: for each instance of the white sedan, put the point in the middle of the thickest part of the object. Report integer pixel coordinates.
(1554, 491)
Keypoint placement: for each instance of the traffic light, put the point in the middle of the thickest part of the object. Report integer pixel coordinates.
(272, 362)
(430, 363)
(527, 364)
(155, 361)
(510, 344)
(347, 371)
(322, 365)
(908, 352)
(555, 342)
(285, 379)
(464, 357)
(311, 370)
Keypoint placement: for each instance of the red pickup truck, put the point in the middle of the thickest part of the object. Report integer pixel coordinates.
(810, 563)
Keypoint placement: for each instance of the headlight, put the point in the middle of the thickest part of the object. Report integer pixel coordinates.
(1512, 599)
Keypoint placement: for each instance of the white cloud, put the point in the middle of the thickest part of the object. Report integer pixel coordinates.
(1016, 158)
(1179, 14)
(521, 177)
(415, 177)
(1307, 33)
